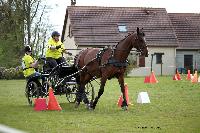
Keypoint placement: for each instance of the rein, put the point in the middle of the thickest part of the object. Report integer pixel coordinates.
(112, 60)
(136, 38)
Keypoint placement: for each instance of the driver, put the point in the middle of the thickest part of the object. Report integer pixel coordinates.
(55, 50)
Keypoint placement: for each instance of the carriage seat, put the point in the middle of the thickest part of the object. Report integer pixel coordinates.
(34, 78)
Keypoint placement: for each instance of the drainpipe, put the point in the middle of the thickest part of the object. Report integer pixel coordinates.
(152, 61)
(161, 66)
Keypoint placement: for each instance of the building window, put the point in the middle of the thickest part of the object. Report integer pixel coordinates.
(141, 61)
(122, 28)
(158, 58)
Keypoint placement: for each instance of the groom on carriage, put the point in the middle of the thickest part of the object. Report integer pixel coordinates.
(29, 64)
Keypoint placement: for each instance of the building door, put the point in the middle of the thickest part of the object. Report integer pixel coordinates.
(188, 62)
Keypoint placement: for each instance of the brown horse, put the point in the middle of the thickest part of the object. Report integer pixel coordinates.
(106, 64)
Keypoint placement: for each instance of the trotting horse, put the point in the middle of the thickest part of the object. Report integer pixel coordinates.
(106, 64)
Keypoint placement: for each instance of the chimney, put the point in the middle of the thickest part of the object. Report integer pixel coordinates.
(73, 2)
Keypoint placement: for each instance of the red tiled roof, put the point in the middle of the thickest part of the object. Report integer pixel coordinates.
(187, 28)
(92, 25)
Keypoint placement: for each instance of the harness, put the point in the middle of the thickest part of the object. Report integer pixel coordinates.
(100, 54)
(117, 63)
(111, 60)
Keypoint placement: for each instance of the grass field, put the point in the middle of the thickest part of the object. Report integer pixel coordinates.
(174, 108)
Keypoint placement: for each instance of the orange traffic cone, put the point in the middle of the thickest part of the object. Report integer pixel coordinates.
(175, 77)
(195, 78)
(119, 103)
(147, 79)
(153, 78)
(126, 94)
(178, 75)
(40, 104)
(188, 75)
(53, 103)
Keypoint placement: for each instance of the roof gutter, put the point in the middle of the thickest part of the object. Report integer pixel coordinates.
(64, 26)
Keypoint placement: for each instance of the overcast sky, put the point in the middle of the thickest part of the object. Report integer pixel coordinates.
(181, 6)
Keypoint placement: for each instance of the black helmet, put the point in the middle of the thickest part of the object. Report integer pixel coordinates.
(55, 33)
(27, 49)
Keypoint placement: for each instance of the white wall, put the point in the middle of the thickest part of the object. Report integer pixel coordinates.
(69, 42)
(168, 66)
(180, 58)
(169, 57)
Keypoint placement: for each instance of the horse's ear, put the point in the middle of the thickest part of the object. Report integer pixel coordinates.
(142, 32)
(138, 31)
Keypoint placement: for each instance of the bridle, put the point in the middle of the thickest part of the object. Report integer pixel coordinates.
(138, 48)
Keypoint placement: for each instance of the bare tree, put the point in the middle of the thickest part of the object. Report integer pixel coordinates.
(23, 22)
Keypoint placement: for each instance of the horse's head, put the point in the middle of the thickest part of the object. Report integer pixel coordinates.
(140, 43)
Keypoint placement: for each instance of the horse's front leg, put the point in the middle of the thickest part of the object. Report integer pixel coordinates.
(81, 95)
(121, 83)
(101, 90)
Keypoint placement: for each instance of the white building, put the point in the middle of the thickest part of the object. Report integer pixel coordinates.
(91, 26)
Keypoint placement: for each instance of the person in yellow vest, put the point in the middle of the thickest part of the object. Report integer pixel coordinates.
(29, 64)
(54, 50)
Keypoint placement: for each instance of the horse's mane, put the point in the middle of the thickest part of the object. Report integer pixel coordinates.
(129, 34)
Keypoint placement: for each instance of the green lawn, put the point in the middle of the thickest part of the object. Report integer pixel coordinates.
(174, 108)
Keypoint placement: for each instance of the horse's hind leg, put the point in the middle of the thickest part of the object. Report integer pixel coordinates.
(101, 90)
(81, 95)
(121, 82)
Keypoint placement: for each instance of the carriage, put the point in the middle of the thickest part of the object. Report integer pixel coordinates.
(64, 79)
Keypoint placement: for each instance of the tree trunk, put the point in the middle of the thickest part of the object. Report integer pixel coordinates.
(28, 17)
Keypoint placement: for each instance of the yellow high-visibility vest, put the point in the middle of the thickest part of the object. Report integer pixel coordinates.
(57, 53)
(27, 60)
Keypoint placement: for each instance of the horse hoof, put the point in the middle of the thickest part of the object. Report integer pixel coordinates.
(87, 106)
(90, 108)
(125, 108)
(77, 105)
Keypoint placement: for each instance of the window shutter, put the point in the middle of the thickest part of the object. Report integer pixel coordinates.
(158, 58)
(141, 61)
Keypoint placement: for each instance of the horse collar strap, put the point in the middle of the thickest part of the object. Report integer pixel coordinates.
(117, 63)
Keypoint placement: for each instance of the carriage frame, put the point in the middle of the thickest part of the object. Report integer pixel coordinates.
(64, 79)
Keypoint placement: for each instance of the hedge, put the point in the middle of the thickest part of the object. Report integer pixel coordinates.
(11, 73)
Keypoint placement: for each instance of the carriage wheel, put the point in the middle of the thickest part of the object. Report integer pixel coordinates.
(89, 90)
(53, 79)
(31, 92)
(71, 93)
